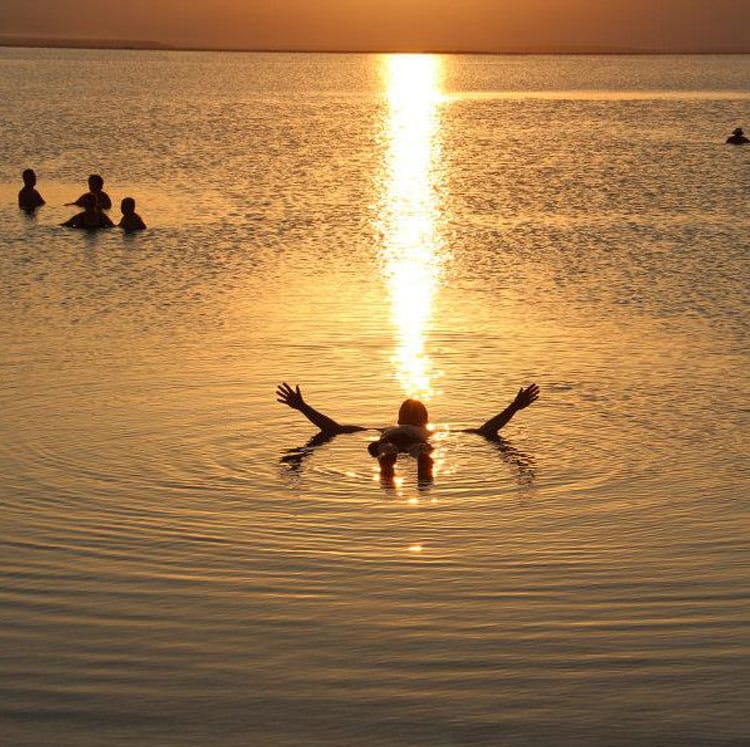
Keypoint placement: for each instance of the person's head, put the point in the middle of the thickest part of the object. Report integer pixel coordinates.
(413, 412)
(88, 202)
(96, 183)
(29, 177)
(739, 132)
(127, 206)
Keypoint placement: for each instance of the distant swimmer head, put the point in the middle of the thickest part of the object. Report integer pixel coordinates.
(127, 206)
(413, 412)
(29, 177)
(96, 183)
(738, 131)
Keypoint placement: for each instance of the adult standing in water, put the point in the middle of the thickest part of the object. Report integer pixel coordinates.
(92, 217)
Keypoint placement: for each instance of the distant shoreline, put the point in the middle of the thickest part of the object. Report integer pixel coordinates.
(155, 46)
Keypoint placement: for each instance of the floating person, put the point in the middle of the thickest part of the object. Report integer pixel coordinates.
(737, 137)
(96, 188)
(410, 436)
(92, 218)
(130, 220)
(28, 198)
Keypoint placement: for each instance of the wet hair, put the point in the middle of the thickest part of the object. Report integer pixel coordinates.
(127, 205)
(29, 175)
(95, 182)
(413, 412)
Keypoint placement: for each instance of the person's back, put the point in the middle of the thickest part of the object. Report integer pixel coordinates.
(29, 198)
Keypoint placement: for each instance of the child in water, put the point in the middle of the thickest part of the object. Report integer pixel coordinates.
(92, 218)
(411, 435)
(130, 220)
(28, 198)
(96, 184)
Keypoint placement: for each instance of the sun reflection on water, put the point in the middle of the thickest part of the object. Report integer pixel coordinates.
(413, 252)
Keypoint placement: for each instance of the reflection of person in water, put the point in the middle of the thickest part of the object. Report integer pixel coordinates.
(92, 218)
(737, 137)
(410, 436)
(28, 198)
(130, 220)
(96, 188)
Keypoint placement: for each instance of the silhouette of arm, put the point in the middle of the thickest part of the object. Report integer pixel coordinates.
(293, 398)
(77, 203)
(522, 400)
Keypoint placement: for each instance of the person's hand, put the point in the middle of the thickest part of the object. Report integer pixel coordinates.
(526, 396)
(288, 396)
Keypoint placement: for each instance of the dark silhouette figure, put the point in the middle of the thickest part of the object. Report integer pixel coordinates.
(130, 220)
(737, 137)
(96, 184)
(410, 436)
(92, 217)
(28, 198)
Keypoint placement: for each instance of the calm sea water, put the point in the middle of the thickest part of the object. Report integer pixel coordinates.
(177, 567)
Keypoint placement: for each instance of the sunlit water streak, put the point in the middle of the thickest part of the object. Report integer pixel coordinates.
(413, 246)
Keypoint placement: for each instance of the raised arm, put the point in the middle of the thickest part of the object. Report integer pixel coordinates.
(523, 399)
(293, 398)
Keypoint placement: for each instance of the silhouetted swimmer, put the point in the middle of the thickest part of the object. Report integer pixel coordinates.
(410, 436)
(96, 188)
(28, 198)
(130, 220)
(737, 137)
(92, 218)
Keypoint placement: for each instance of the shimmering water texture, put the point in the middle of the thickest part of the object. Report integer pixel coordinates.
(180, 565)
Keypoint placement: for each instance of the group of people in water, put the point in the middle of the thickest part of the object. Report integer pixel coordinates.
(94, 203)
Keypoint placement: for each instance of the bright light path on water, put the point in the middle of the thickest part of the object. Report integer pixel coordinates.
(412, 250)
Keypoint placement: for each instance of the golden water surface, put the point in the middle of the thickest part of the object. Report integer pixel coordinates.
(181, 565)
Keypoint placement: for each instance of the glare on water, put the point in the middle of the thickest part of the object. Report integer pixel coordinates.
(413, 247)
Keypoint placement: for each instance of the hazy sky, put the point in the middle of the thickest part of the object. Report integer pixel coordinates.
(390, 24)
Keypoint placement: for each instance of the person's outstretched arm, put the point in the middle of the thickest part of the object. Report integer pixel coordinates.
(523, 399)
(293, 398)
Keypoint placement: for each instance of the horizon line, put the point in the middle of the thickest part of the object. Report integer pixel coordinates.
(41, 42)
